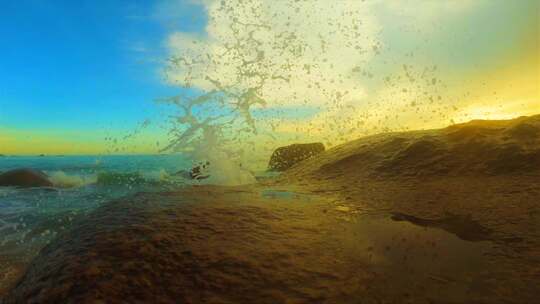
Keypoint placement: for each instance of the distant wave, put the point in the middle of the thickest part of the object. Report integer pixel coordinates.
(117, 178)
(62, 179)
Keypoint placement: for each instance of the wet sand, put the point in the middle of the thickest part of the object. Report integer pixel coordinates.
(336, 228)
(273, 245)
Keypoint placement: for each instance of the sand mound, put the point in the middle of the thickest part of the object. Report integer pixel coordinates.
(246, 245)
(237, 245)
(204, 245)
(474, 148)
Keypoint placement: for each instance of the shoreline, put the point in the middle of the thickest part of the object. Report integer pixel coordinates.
(422, 213)
(219, 242)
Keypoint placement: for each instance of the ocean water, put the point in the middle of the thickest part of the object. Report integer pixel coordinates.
(30, 218)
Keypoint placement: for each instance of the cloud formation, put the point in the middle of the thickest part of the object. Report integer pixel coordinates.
(366, 66)
(303, 52)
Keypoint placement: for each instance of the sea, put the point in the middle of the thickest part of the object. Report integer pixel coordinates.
(31, 217)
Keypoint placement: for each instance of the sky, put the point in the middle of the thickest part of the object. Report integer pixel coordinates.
(74, 74)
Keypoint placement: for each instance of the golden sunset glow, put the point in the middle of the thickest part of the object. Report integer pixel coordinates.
(402, 69)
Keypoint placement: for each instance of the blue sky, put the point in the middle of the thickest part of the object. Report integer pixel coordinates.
(85, 64)
(73, 73)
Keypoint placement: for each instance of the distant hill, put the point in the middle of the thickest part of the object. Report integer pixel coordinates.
(479, 147)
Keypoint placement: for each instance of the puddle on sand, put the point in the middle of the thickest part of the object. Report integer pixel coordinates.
(463, 227)
(411, 258)
(282, 194)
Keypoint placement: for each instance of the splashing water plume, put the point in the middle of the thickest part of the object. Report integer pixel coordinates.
(260, 56)
(271, 73)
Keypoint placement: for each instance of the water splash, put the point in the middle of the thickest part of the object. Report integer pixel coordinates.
(63, 180)
(205, 136)
(258, 56)
(259, 59)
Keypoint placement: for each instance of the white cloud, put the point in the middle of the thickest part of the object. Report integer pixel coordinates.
(313, 52)
(290, 52)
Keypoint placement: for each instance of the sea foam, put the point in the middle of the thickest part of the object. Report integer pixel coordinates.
(62, 180)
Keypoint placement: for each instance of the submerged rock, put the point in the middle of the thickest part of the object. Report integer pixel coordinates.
(198, 172)
(24, 178)
(285, 157)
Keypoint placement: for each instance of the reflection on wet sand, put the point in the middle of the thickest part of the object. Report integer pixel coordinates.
(231, 245)
(419, 217)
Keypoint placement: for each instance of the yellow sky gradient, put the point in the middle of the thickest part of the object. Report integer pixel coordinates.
(507, 87)
(70, 143)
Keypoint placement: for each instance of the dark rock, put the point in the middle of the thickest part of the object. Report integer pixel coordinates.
(285, 157)
(183, 173)
(198, 172)
(25, 178)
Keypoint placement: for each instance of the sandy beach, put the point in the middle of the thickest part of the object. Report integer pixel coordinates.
(270, 152)
(352, 232)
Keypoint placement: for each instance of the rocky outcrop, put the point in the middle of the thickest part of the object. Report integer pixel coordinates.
(24, 178)
(285, 157)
